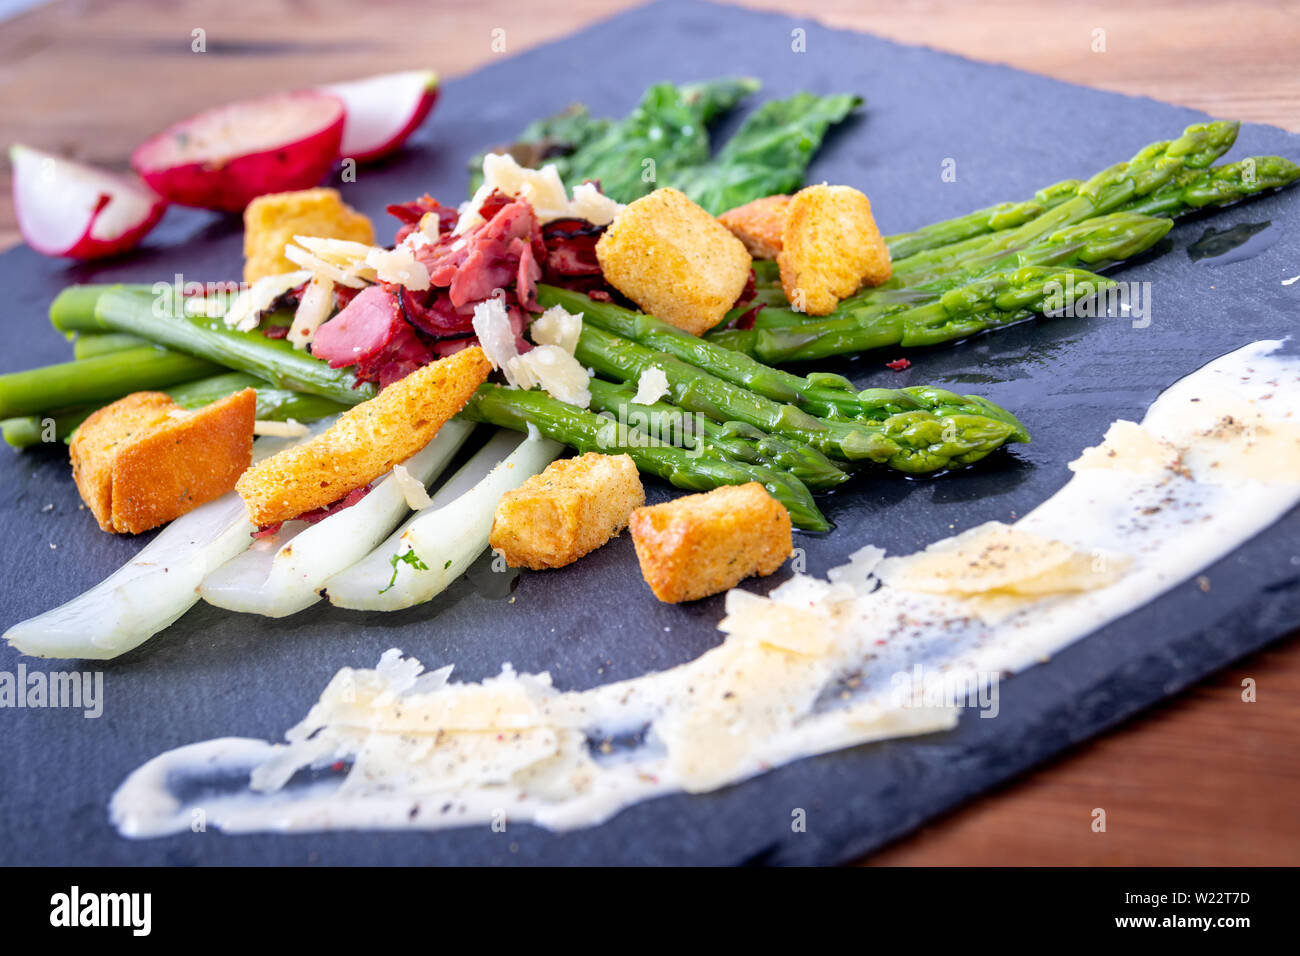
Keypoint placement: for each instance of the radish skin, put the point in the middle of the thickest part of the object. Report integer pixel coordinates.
(382, 111)
(70, 209)
(225, 157)
(447, 536)
(282, 574)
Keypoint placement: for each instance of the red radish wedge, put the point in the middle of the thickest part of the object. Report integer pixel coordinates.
(383, 111)
(225, 157)
(70, 209)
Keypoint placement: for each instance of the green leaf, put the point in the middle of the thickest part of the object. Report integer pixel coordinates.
(665, 142)
(769, 153)
(406, 557)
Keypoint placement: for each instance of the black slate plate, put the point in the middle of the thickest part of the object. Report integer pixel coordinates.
(216, 674)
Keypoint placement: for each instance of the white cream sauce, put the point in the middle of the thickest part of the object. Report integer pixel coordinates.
(816, 666)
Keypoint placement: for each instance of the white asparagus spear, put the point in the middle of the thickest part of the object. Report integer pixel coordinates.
(153, 589)
(282, 574)
(437, 544)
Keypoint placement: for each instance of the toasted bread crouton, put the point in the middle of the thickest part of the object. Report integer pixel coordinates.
(144, 460)
(759, 224)
(271, 222)
(704, 544)
(830, 248)
(674, 260)
(570, 509)
(365, 442)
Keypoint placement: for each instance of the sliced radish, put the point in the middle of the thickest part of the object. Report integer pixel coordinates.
(223, 158)
(70, 209)
(382, 111)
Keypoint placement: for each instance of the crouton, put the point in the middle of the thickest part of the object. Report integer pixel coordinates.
(704, 544)
(830, 248)
(759, 224)
(674, 260)
(271, 222)
(570, 509)
(144, 460)
(365, 442)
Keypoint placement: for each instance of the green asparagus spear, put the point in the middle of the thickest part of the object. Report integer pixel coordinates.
(733, 441)
(26, 431)
(273, 404)
(879, 404)
(1008, 215)
(997, 299)
(904, 443)
(730, 366)
(1117, 188)
(73, 309)
(95, 381)
(835, 400)
(91, 344)
(1109, 190)
(1217, 186)
(274, 360)
(587, 431)
(866, 319)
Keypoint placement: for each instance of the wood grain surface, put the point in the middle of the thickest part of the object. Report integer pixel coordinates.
(1204, 779)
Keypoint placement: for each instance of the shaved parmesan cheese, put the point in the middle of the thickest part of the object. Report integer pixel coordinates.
(743, 694)
(289, 428)
(994, 558)
(413, 490)
(342, 260)
(591, 204)
(543, 187)
(314, 308)
(859, 573)
(550, 366)
(795, 630)
(1128, 446)
(555, 370)
(341, 252)
(315, 265)
(469, 211)
(556, 326)
(399, 267)
(651, 386)
(544, 191)
(249, 305)
(426, 234)
(492, 327)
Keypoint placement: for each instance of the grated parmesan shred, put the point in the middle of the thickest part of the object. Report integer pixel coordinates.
(289, 428)
(245, 312)
(556, 326)
(651, 386)
(413, 490)
(543, 189)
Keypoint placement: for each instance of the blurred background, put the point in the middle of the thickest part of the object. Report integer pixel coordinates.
(1201, 780)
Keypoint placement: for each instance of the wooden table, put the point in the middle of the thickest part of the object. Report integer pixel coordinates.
(1203, 779)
